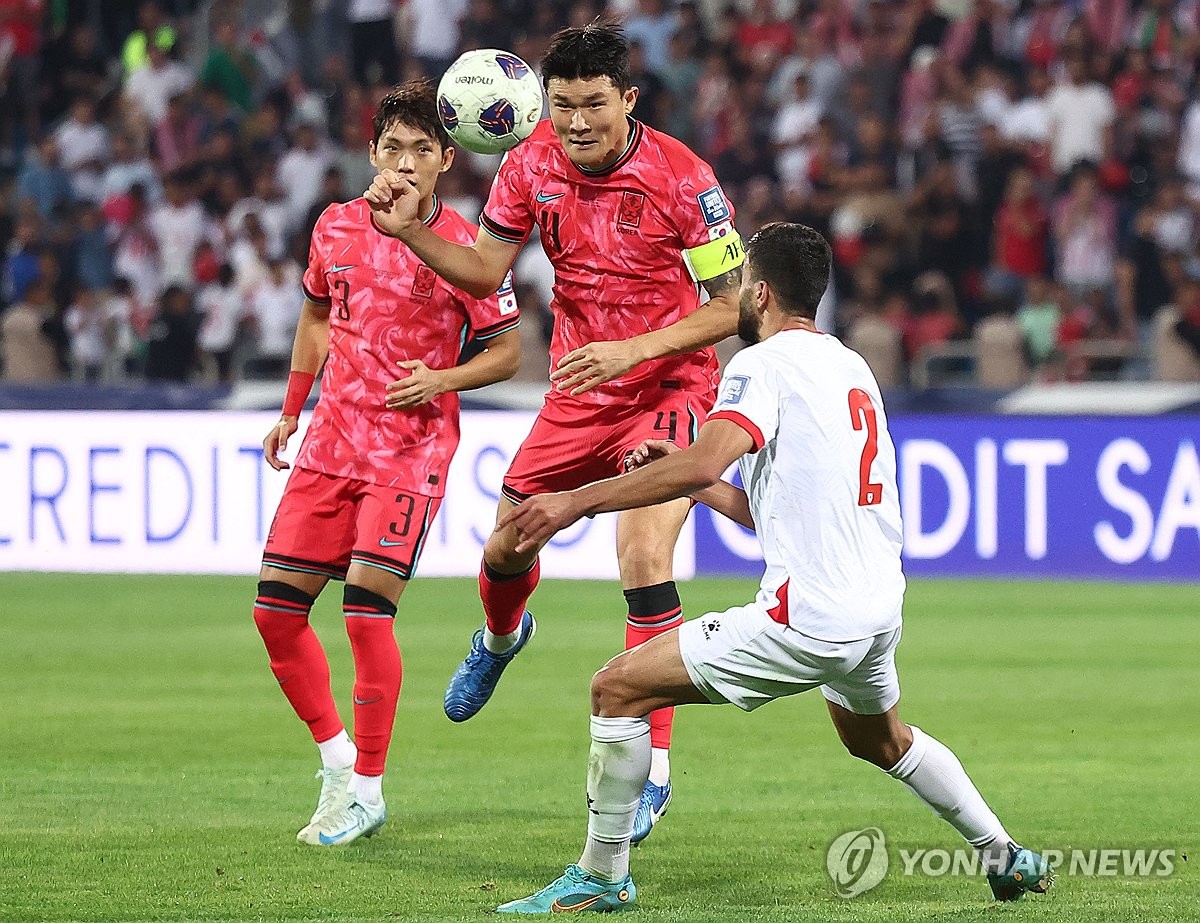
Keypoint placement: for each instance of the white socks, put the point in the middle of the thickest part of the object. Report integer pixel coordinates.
(618, 765)
(500, 644)
(660, 766)
(338, 752)
(935, 775)
(366, 789)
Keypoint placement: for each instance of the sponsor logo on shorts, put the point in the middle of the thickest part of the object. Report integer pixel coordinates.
(710, 627)
(388, 543)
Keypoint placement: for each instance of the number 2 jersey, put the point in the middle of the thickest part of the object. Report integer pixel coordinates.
(629, 244)
(821, 483)
(387, 306)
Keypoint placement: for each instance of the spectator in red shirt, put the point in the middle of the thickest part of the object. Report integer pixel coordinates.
(1020, 236)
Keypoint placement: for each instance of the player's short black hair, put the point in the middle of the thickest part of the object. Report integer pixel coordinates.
(794, 260)
(413, 104)
(598, 49)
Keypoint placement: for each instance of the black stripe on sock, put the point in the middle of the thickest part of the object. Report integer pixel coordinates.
(647, 601)
(495, 576)
(277, 589)
(360, 597)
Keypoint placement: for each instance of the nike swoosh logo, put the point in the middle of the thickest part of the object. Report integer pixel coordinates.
(358, 701)
(558, 907)
(542, 197)
(387, 543)
(336, 268)
(330, 840)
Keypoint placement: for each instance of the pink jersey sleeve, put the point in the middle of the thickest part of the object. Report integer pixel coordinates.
(697, 203)
(495, 314)
(315, 282)
(508, 214)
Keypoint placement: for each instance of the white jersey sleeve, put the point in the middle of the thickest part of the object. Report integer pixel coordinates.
(749, 397)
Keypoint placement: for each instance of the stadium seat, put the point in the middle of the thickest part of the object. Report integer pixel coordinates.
(1000, 351)
(880, 344)
(1174, 360)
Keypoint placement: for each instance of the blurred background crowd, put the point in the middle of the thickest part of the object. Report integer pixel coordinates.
(1011, 187)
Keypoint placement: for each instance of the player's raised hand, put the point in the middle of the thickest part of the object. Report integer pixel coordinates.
(276, 441)
(394, 202)
(538, 519)
(420, 387)
(582, 369)
(649, 451)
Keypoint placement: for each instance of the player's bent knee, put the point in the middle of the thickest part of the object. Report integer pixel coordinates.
(613, 693)
(499, 555)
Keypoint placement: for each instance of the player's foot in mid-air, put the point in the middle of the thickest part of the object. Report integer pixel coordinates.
(475, 679)
(655, 799)
(355, 820)
(335, 797)
(1026, 871)
(576, 891)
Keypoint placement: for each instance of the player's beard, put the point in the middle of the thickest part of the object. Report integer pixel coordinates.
(748, 319)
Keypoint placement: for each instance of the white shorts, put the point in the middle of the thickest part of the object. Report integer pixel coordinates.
(744, 657)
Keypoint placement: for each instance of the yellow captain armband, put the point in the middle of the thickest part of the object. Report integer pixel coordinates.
(715, 257)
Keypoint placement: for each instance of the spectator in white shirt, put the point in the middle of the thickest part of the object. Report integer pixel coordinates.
(275, 308)
(224, 309)
(1081, 116)
(179, 224)
(304, 166)
(82, 141)
(151, 88)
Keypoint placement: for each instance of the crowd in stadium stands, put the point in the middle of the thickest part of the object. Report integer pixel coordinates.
(1011, 187)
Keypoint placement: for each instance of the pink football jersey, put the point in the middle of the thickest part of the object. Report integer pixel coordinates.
(617, 239)
(387, 306)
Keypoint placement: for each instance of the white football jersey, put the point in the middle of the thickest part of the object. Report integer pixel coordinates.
(821, 484)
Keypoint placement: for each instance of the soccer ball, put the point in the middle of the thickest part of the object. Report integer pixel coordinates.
(489, 101)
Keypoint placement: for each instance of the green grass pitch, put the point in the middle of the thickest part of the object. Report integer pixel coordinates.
(150, 769)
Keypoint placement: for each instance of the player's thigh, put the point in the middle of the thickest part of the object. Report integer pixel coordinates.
(391, 528)
(871, 685)
(638, 681)
(646, 540)
(313, 531)
(744, 657)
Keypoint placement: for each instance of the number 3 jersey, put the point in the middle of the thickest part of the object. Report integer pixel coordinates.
(629, 244)
(821, 483)
(386, 306)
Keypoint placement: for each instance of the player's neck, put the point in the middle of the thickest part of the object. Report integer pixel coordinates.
(792, 322)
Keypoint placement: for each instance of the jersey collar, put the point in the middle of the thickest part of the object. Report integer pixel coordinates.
(435, 212)
(635, 138)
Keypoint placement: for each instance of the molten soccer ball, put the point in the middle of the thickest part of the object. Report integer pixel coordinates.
(489, 101)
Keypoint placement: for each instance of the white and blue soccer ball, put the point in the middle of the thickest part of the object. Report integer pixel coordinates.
(489, 101)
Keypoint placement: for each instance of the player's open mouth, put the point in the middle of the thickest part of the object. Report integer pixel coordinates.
(582, 142)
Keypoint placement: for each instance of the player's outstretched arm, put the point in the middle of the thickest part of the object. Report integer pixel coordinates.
(478, 269)
(722, 497)
(309, 350)
(498, 362)
(583, 369)
(680, 475)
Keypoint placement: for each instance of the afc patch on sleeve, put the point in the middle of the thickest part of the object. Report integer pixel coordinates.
(733, 388)
(713, 206)
(505, 297)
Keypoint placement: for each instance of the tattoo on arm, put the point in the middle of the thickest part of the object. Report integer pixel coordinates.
(727, 283)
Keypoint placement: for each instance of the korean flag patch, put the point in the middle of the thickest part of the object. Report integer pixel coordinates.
(713, 206)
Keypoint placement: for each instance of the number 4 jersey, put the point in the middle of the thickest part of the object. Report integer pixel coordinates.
(629, 243)
(821, 483)
(386, 306)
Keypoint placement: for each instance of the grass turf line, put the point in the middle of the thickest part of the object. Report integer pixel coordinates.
(152, 770)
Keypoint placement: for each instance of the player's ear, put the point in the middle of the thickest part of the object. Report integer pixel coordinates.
(629, 99)
(447, 159)
(371, 154)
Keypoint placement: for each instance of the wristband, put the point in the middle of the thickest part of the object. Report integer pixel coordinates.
(299, 384)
